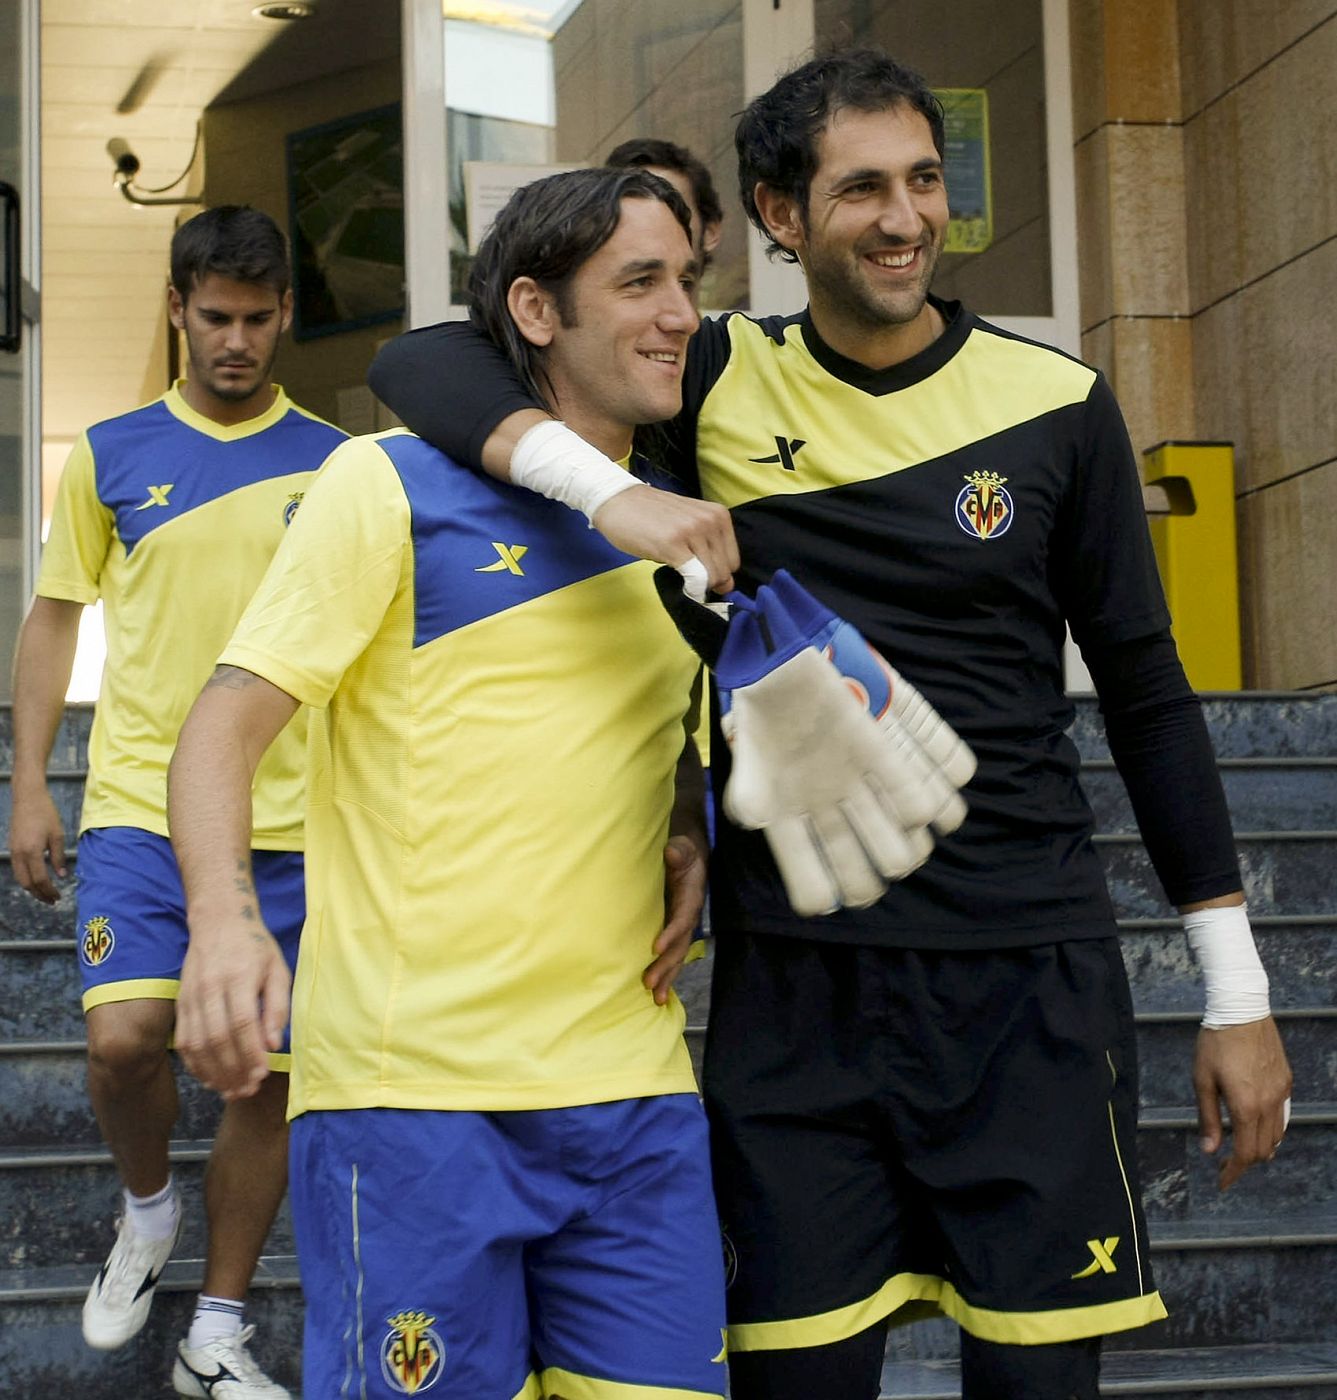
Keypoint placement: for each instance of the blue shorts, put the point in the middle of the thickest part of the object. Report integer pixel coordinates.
(132, 915)
(490, 1256)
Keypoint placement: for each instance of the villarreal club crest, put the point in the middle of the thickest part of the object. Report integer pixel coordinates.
(412, 1355)
(984, 507)
(97, 941)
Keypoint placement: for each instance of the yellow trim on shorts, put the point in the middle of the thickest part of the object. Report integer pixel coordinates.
(925, 1295)
(531, 1390)
(164, 989)
(137, 989)
(571, 1386)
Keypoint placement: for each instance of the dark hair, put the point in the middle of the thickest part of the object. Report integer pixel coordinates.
(233, 241)
(548, 230)
(776, 137)
(642, 151)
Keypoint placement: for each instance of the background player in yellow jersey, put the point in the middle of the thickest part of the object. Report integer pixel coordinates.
(170, 515)
(500, 1175)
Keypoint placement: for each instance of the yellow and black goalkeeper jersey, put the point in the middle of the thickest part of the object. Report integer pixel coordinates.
(171, 519)
(500, 705)
(957, 508)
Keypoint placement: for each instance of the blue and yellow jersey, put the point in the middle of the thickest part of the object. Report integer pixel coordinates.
(171, 519)
(498, 711)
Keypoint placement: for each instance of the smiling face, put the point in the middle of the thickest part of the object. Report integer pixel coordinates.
(232, 334)
(871, 233)
(614, 350)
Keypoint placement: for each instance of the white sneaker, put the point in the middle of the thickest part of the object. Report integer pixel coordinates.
(119, 1299)
(223, 1370)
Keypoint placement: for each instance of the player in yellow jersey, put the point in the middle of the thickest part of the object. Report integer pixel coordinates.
(170, 515)
(500, 1174)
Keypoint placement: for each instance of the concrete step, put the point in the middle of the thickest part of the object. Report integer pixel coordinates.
(1264, 1372)
(1285, 872)
(1243, 724)
(58, 1205)
(70, 749)
(1225, 1284)
(66, 787)
(22, 916)
(43, 1356)
(1166, 1040)
(1179, 1183)
(1263, 794)
(1270, 1281)
(44, 1101)
(1299, 952)
(42, 990)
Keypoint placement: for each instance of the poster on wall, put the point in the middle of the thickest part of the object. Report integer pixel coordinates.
(346, 212)
(966, 157)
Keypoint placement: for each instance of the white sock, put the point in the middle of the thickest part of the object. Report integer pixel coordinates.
(154, 1217)
(214, 1318)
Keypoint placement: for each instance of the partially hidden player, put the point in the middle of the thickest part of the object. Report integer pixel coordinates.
(170, 515)
(928, 1105)
(500, 1175)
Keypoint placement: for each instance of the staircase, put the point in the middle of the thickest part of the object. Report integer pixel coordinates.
(1250, 1277)
(58, 1188)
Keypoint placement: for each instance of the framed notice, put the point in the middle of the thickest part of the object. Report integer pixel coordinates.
(966, 156)
(488, 184)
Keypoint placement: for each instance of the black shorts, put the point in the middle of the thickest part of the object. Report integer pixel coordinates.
(902, 1133)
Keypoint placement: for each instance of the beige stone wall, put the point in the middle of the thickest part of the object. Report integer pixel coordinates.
(675, 72)
(246, 164)
(1206, 154)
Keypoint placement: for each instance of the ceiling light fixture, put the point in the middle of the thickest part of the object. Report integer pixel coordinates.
(285, 9)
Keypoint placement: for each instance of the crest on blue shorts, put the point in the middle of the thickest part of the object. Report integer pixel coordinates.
(412, 1355)
(97, 940)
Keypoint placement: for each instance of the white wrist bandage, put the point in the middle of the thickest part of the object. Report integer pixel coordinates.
(562, 466)
(1222, 942)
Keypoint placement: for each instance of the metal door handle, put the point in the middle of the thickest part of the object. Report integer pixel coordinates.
(9, 338)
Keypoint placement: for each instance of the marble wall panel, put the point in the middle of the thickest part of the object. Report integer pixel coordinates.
(1212, 201)
(1265, 368)
(1222, 41)
(1148, 260)
(1287, 138)
(1094, 244)
(1152, 377)
(1141, 62)
(1288, 578)
(1086, 45)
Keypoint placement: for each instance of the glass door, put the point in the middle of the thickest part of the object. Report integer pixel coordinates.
(20, 478)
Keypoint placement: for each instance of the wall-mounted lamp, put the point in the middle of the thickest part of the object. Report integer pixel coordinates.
(127, 167)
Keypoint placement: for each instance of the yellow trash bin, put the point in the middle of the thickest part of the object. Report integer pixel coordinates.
(1191, 500)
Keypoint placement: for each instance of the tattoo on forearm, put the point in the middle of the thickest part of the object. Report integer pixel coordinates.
(245, 886)
(231, 678)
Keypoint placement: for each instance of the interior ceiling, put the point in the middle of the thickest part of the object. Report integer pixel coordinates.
(144, 70)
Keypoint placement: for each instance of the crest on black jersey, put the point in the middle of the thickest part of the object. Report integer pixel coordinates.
(984, 506)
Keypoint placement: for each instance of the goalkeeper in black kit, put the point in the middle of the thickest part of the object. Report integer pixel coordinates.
(925, 1104)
